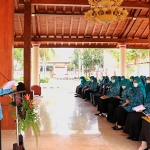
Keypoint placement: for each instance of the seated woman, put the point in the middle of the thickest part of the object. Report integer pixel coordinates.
(91, 89)
(145, 134)
(133, 123)
(11, 86)
(112, 93)
(135, 98)
(83, 82)
(87, 85)
(112, 104)
(102, 90)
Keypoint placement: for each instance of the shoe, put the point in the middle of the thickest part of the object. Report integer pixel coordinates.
(97, 114)
(103, 115)
(76, 96)
(116, 128)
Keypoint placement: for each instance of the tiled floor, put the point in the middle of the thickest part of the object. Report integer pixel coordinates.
(69, 123)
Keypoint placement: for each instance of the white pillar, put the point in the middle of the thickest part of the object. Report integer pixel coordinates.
(122, 59)
(35, 71)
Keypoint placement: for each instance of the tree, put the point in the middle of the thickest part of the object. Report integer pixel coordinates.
(91, 57)
(75, 58)
(70, 67)
(45, 55)
(18, 58)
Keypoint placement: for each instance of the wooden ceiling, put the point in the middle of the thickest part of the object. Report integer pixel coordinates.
(62, 24)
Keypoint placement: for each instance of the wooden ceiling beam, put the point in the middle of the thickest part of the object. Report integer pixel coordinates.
(18, 12)
(82, 46)
(84, 3)
(86, 40)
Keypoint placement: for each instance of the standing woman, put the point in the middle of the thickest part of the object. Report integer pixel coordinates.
(136, 97)
(113, 92)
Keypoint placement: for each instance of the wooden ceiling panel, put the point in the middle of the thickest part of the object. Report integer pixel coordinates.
(104, 30)
(68, 21)
(140, 30)
(134, 28)
(66, 26)
(74, 26)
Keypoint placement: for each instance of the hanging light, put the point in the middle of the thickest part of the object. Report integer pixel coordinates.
(106, 11)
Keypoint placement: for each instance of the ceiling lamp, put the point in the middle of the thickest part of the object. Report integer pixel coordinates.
(106, 11)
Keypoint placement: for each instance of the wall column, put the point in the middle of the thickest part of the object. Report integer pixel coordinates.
(27, 45)
(6, 57)
(122, 59)
(35, 71)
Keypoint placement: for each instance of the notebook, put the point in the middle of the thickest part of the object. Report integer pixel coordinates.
(138, 108)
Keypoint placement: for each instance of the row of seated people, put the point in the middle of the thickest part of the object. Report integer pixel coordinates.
(115, 100)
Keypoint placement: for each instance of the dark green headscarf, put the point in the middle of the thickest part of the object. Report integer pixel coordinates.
(106, 80)
(126, 82)
(143, 78)
(116, 81)
(83, 80)
(122, 78)
(132, 78)
(140, 86)
(147, 87)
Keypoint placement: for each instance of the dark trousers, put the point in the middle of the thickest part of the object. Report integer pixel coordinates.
(111, 106)
(83, 92)
(133, 124)
(120, 115)
(87, 94)
(145, 133)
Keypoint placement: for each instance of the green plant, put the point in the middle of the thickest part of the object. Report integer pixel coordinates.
(44, 80)
(28, 117)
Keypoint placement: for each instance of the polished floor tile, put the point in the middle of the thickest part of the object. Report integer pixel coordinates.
(69, 123)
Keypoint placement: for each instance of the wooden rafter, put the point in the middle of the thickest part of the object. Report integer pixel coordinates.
(64, 8)
(16, 4)
(107, 30)
(63, 26)
(101, 29)
(128, 28)
(86, 28)
(125, 4)
(55, 26)
(145, 31)
(34, 25)
(47, 33)
(93, 29)
(86, 40)
(20, 26)
(71, 21)
(83, 46)
(138, 28)
(115, 29)
(38, 24)
(78, 30)
(64, 14)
